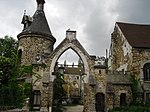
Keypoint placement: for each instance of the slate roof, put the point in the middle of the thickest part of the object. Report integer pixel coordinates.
(138, 35)
(39, 25)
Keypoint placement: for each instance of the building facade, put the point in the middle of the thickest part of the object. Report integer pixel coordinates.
(130, 51)
(102, 87)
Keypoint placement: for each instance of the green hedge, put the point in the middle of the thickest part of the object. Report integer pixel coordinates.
(131, 109)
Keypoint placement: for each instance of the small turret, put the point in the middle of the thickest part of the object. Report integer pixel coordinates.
(38, 23)
(36, 40)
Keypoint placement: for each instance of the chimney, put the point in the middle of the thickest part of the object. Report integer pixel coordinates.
(71, 35)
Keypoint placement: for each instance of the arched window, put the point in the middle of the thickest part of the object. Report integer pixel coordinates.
(37, 97)
(19, 56)
(146, 72)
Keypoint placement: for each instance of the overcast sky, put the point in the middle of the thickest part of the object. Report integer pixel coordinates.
(93, 20)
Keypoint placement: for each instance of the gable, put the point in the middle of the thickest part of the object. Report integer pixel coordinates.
(70, 42)
(137, 35)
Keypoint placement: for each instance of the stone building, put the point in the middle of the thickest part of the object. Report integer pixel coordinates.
(101, 89)
(130, 52)
(36, 48)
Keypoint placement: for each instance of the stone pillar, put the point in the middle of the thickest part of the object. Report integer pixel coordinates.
(86, 97)
(44, 98)
(92, 91)
(45, 93)
(50, 96)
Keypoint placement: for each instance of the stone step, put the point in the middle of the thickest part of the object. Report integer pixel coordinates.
(77, 108)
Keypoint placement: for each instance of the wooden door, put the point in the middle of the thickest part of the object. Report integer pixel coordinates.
(100, 102)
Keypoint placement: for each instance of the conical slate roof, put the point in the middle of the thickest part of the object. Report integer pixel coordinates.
(38, 23)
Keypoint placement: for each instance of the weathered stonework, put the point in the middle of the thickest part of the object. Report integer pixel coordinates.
(139, 55)
(123, 59)
(98, 83)
(33, 45)
(36, 43)
(132, 59)
(128, 54)
(86, 97)
(122, 89)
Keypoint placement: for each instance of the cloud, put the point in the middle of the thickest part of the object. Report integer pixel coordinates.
(92, 19)
(11, 15)
(135, 11)
(99, 25)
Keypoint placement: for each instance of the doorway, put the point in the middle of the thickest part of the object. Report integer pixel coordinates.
(100, 102)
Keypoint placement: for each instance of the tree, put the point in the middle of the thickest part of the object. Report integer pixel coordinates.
(58, 91)
(8, 46)
(12, 91)
(134, 88)
(8, 53)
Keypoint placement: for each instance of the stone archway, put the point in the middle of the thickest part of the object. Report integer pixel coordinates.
(70, 42)
(79, 53)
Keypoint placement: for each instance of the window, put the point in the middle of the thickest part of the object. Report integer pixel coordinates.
(146, 72)
(147, 96)
(19, 56)
(100, 71)
(122, 99)
(37, 96)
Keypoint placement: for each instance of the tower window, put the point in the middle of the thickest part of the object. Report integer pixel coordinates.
(37, 97)
(122, 99)
(19, 56)
(146, 72)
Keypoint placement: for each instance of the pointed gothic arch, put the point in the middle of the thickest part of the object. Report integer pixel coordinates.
(70, 42)
(77, 48)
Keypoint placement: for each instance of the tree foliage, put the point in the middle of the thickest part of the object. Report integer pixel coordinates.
(134, 88)
(8, 47)
(12, 91)
(8, 53)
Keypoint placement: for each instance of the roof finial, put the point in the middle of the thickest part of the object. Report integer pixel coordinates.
(40, 4)
(40, 1)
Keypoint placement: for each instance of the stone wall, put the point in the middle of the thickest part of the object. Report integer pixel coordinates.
(117, 82)
(139, 56)
(124, 56)
(118, 89)
(121, 51)
(113, 98)
(110, 101)
(31, 45)
(100, 77)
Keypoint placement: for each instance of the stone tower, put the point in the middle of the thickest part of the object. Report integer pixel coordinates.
(36, 39)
